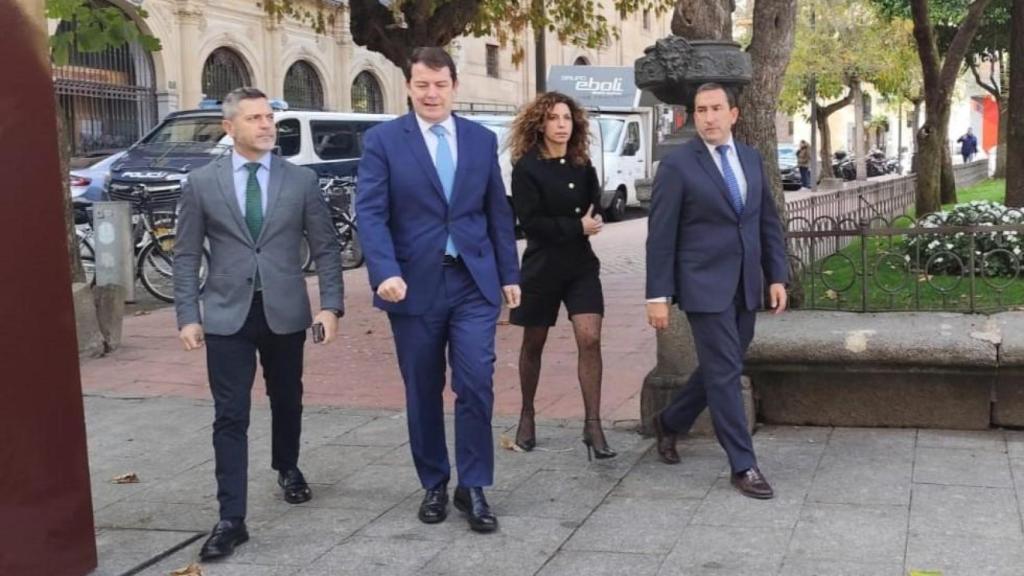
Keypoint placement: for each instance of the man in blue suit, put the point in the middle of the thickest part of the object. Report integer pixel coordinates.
(713, 238)
(439, 240)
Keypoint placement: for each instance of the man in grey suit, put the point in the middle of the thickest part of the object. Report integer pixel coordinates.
(253, 208)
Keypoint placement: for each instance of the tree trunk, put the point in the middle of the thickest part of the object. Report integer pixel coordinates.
(770, 48)
(64, 153)
(826, 145)
(1015, 122)
(939, 81)
(703, 19)
(930, 144)
(859, 157)
(947, 183)
(824, 111)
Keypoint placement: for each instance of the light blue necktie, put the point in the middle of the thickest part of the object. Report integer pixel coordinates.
(730, 179)
(446, 172)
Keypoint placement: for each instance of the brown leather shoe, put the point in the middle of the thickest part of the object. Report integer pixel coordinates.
(665, 443)
(753, 484)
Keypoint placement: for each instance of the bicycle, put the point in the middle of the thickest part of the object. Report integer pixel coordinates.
(338, 193)
(153, 234)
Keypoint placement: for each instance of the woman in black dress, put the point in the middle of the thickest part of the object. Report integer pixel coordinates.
(556, 195)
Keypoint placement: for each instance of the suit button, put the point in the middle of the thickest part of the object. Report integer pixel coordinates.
(561, 160)
(578, 210)
(571, 185)
(257, 250)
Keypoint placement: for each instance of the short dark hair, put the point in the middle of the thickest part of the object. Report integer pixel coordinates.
(712, 86)
(433, 57)
(229, 106)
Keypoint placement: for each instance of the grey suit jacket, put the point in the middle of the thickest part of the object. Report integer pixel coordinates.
(209, 212)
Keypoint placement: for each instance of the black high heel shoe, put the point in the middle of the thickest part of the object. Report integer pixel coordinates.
(526, 444)
(599, 452)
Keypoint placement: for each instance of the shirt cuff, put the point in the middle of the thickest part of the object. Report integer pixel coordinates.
(659, 300)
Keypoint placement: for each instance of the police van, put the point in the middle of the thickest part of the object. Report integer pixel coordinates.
(330, 143)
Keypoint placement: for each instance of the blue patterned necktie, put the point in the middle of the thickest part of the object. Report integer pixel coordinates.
(446, 172)
(730, 179)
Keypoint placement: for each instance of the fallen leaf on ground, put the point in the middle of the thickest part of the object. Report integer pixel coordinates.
(129, 478)
(190, 570)
(925, 277)
(506, 442)
(831, 294)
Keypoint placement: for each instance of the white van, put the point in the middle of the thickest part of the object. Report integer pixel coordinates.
(628, 151)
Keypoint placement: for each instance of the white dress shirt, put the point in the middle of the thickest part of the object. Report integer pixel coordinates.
(241, 175)
(431, 139)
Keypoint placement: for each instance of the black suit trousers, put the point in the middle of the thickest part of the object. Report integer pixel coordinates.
(231, 365)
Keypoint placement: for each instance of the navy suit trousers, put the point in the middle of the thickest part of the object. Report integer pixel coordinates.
(462, 322)
(721, 340)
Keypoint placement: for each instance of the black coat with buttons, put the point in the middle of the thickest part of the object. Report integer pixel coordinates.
(550, 196)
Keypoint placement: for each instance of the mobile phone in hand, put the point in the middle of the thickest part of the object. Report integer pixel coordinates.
(318, 332)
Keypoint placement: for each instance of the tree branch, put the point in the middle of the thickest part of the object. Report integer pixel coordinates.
(924, 36)
(826, 111)
(990, 88)
(961, 42)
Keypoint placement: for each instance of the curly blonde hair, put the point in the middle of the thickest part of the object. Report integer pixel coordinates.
(528, 128)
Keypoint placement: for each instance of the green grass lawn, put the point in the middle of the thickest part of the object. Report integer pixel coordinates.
(895, 284)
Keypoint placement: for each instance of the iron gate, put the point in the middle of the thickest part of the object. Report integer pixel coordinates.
(108, 99)
(302, 87)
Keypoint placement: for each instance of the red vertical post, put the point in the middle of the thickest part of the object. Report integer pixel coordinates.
(46, 522)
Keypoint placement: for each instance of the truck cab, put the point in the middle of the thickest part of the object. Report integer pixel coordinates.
(627, 155)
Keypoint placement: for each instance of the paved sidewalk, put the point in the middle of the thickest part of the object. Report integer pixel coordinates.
(850, 502)
(359, 370)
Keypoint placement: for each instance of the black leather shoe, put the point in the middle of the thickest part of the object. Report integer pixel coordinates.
(752, 483)
(296, 491)
(665, 442)
(471, 502)
(222, 541)
(434, 508)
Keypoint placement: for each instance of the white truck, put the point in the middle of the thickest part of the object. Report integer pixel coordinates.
(628, 156)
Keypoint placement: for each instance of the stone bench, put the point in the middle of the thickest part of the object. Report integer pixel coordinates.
(907, 369)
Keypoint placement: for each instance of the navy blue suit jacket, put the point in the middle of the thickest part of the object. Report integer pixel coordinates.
(697, 246)
(404, 220)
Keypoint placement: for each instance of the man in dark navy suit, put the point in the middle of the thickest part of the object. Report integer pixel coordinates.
(713, 238)
(440, 247)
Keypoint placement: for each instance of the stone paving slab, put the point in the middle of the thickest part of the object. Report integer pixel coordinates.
(850, 502)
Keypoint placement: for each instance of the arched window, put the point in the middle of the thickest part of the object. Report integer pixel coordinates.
(303, 89)
(367, 95)
(108, 98)
(581, 61)
(224, 71)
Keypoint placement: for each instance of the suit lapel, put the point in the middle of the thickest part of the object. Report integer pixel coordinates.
(708, 164)
(274, 191)
(418, 146)
(462, 143)
(751, 174)
(226, 179)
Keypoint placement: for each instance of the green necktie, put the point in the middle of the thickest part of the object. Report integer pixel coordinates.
(253, 201)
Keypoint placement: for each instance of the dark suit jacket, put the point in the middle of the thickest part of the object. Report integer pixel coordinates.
(550, 198)
(697, 247)
(404, 219)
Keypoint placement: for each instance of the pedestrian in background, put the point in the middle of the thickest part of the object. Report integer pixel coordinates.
(803, 161)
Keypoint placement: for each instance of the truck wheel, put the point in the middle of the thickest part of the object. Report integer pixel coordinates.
(617, 209)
